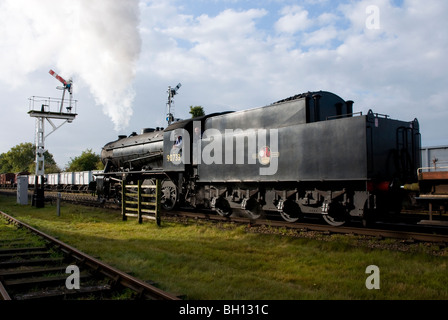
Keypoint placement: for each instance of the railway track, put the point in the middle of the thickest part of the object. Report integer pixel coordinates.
(39, 266)
(322, 228)
(402, 231)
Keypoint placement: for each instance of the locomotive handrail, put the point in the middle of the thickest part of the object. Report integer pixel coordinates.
(345, 115)
(152, 171)
(420, 170)
(47, 104)
(385, 116)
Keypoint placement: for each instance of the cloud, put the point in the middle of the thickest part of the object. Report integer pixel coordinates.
(238, 55)
(294, 19)
(333, 50)
(95, 42)
(219, 50)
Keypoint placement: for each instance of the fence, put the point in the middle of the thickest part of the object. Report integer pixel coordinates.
(140, 200)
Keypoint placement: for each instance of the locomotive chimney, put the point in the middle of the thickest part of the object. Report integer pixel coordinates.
(146, 130)
(316, 98)
(349, 104)
(339, 109)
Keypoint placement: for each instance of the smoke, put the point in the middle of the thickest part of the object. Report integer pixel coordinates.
(97, 42)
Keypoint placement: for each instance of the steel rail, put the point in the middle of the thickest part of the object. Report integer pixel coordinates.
(3, 293)
(144, 289)
(402, 235)
(385, 233)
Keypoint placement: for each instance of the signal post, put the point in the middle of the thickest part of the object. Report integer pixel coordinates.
(53, 111)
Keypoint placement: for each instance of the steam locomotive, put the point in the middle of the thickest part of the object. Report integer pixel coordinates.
(305, 155)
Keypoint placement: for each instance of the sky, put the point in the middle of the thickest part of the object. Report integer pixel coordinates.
(386, 55)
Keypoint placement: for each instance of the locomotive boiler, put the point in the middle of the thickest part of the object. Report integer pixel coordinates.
(136, 152)
(309, 154)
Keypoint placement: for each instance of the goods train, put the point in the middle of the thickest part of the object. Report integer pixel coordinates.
(433, 179)
(305, 155)
(83, 181)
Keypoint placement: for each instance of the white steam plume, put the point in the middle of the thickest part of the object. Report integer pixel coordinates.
(95, 41)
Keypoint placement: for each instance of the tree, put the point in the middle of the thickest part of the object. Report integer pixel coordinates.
(50, 164)
(88, 160)
(22, 158)
(5, 167)
(196, 111)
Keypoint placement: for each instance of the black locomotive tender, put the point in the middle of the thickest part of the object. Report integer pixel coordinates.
(308, 154)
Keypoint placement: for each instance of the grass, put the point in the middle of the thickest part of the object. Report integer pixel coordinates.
(223, 261)
(11, 237)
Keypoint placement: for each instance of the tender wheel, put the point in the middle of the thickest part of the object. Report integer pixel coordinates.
(332, 221)
(222, 207)
(290, 211)
(253, 209)
(169, 195)
(336, 215)
(367, 217)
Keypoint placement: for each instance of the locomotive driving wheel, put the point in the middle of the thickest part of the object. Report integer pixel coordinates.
(169, 195)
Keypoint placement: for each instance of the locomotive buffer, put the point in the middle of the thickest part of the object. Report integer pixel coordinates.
(51, 110)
